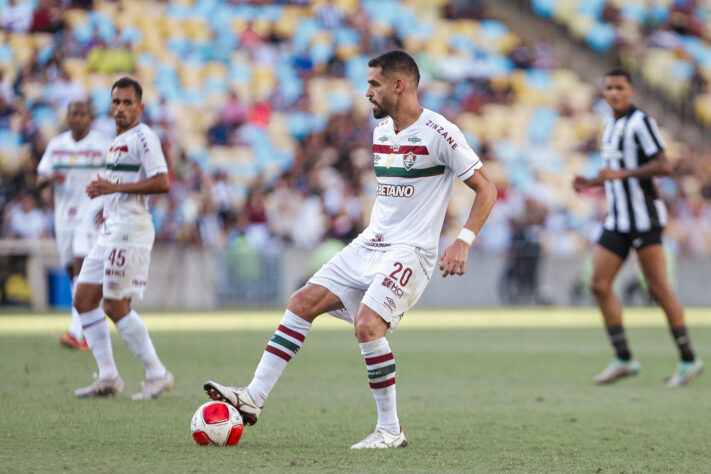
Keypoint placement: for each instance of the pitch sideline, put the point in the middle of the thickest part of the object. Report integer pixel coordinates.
(422, 319)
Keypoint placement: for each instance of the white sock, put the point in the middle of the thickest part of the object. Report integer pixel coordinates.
(135, 333)
(96, 331)
(75, 326)
(285, 343)
(380, 363)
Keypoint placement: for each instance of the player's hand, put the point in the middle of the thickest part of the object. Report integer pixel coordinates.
(99, 219)
(58, 177)
(580, 183)
(608, 174)
(99, 187)
(454, 259)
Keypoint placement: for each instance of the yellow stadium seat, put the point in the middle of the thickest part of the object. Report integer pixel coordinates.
(580, 25)
(76, 16)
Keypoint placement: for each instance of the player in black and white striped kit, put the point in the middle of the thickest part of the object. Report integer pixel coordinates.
(633, 154)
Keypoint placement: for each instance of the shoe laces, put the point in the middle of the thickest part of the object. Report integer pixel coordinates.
(375, 437)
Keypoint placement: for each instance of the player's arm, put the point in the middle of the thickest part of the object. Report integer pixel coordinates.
(47, 179)
(45, 174)
(658, 165)
(454, 257)
(156, 184)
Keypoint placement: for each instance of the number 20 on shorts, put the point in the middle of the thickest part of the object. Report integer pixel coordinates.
(406, 273)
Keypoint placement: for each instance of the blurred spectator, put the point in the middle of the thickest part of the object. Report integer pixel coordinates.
(26, 220)
(63, 90)
(110, 59)
(283, 101)
(47, 17)
(17, 16)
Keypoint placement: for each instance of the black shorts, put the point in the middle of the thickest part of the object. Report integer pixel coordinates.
(620, 243)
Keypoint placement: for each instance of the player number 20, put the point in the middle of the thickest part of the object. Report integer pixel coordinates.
(406, 273)
(117, 257)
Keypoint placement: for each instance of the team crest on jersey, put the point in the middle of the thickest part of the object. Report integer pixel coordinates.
(414, 140)
(409, 161)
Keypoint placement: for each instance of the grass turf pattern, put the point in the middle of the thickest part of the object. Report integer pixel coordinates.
(478, 391)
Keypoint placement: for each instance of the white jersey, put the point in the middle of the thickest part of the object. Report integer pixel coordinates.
(133, 156)
(415, 169)
(80, 162)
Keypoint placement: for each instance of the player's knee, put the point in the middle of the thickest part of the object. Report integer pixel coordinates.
(363, 330)
(85, 300)
(657, 289)
(116, 309)
(82, 306)
(369, 329)
(301, 304)
(600, 287)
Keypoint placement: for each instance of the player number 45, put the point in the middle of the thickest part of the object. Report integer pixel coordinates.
(117, 257)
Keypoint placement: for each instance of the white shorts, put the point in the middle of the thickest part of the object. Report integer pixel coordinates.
(388, 281)
(65, 245)
(76, 242)
(84, 238)
(120, 267)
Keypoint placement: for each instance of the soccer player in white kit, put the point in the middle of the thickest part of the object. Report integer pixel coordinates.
(69, 163)
(117, 266)
(417, 154)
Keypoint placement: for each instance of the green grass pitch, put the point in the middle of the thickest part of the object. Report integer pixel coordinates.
(478, 391)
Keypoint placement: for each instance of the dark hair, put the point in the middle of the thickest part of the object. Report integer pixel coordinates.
(128, 82)
(618, 71)
(83, 103)
(396, 61)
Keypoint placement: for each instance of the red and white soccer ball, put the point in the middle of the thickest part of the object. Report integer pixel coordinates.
(217, 424)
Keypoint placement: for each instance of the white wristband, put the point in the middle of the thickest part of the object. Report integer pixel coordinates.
(467, 236)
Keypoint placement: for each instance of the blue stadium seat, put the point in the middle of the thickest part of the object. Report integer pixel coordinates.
(634, 12)
(9, 139)
(544, 8)
(601, 36)
(591, 8)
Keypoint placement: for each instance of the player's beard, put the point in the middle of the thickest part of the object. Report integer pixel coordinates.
(381, 111)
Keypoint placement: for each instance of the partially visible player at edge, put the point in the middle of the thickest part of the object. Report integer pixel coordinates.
(381, 274)
(117, 266)
(633, 154)
(69, 163)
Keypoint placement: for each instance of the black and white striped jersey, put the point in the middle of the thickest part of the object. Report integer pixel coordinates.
(633, 204)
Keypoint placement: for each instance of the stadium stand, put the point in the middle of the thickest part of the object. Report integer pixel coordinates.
(261, 112)
(667, 42)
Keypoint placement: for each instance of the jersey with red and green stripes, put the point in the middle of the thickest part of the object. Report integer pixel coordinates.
(415, 169)
(79, 162)
(133, 156)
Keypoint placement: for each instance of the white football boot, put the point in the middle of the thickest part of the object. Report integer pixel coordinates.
(686, 372)
(618, 368)
(101, 388)
(381, 439)
(151, 388)
(238, 397)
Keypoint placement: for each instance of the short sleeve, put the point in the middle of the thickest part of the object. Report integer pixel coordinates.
(648, 136)
(45, 166)
(457, 155)
(151, 153)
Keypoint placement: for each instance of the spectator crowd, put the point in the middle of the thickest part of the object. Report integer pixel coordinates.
(261, 111)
